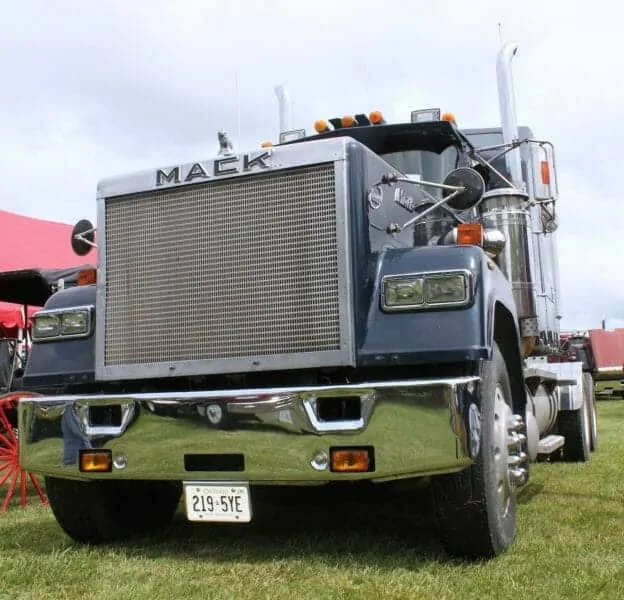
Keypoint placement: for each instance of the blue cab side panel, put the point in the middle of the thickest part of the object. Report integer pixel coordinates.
(69, 362)
(441, 335)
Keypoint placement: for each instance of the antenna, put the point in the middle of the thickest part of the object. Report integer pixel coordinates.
(500, 32)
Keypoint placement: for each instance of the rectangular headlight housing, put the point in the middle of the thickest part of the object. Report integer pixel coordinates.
(421, 291)
(75, 322)
(60, 324)
(45, 327)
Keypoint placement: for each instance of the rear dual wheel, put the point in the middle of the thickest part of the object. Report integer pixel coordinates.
(579, 427)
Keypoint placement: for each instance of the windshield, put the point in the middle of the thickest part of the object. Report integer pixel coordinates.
(422, 164)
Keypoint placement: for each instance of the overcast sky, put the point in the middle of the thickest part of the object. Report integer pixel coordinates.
(94, 89)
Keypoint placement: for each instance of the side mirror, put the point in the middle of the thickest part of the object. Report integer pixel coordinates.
(83, 237)
(473, 188)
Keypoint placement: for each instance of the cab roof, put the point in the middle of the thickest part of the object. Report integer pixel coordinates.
(434, 136)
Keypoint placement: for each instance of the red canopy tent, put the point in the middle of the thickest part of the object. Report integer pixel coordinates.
(29, 243)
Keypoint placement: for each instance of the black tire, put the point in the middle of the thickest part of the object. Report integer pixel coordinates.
(97, 512)
(588, 382)
(475, 522)
(575, 427)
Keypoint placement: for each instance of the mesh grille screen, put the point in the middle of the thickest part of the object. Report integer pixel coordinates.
(236, 268)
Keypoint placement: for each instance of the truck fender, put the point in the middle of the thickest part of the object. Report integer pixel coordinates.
(502, 328)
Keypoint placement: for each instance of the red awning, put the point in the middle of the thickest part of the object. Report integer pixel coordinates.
(29, 243)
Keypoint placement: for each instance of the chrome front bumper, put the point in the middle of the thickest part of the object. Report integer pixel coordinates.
(268, 436)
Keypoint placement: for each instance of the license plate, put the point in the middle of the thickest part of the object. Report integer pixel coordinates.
(222, 502)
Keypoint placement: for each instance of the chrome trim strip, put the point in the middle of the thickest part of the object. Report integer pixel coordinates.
(256, 394)
(281, 157)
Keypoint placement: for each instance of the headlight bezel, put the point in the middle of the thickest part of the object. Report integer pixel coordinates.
(425, 305)
(57, 313)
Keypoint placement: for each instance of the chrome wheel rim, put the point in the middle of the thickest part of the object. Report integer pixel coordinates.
(500, 451)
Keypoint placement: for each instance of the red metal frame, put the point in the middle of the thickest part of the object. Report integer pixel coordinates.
(10, 469)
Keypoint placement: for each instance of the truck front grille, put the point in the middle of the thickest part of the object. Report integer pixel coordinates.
(238, 268)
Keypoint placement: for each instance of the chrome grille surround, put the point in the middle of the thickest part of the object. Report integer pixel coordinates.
(261, 278)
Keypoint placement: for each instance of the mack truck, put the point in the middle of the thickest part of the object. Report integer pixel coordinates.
(370, 303)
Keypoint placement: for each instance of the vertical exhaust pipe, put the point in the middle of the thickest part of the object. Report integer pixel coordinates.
(285, 109)
(507, 105)
(507, 210)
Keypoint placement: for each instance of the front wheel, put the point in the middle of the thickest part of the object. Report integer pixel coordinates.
(477, 507)
(95, 512)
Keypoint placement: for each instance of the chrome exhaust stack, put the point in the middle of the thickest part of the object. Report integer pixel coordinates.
(507, 107)
(507, 210)
(285, 109)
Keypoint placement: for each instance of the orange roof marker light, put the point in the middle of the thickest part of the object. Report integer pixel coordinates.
(321, 126)
(376, 117)
(348, 121)
(450, 117)
(266, 145)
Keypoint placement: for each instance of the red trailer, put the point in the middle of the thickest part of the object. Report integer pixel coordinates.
(602, 354)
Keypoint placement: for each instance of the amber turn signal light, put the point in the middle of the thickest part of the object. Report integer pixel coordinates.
(351, 460)
(470, 234)
(545, 172)
(95, 461)
(87, 276)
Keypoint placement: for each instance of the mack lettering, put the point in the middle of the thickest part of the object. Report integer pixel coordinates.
(222, 167)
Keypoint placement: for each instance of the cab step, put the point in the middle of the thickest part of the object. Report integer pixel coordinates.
(549, 444)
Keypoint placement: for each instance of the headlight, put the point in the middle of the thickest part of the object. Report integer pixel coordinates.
(420, 291)
(45, 326)
(445, 289)
(75, 323)
(403, 292)
(62, 324)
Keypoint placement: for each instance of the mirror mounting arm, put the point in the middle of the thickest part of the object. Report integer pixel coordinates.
(462, 190)
(424, 213)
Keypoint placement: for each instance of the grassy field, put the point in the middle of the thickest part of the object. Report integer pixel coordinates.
(569, 545)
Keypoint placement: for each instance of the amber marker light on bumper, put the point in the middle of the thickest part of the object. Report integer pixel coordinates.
(352, 460)
(95, 461)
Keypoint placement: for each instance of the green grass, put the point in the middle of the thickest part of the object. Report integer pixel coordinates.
(610, 388)
(569, 545)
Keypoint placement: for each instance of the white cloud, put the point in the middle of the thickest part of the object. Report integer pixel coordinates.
(97, 89)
